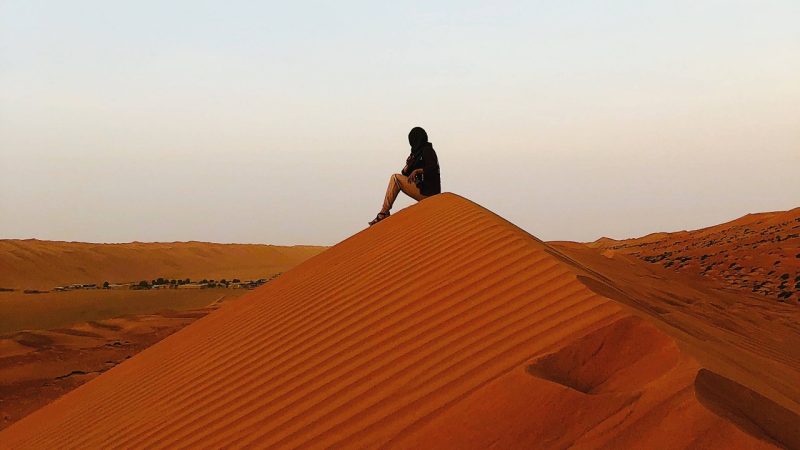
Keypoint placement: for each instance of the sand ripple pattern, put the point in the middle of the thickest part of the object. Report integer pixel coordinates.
(373, 337)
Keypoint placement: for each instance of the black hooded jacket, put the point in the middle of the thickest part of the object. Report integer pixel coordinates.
(423, 157)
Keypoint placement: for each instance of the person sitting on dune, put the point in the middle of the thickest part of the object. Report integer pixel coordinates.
(419, 179)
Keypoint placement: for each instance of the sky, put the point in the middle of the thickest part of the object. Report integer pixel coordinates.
(281, 122)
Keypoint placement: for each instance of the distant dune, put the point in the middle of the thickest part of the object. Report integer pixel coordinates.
(758, 253)
(44, 264)
(446, 326)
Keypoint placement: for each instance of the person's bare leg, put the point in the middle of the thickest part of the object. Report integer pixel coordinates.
(391, 192)
(397, 182)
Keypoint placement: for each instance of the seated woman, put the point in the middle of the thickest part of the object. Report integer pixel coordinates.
(419, 179)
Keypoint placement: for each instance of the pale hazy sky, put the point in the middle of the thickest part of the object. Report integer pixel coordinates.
(280, 122)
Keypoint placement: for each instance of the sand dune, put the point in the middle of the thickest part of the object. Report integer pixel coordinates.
(446, 326)
(44, 264)
(758, 253)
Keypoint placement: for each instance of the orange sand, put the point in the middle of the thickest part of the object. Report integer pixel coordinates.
(757, 253)
(495, 340)
(36, 367)
(19, 311)
(26, 264)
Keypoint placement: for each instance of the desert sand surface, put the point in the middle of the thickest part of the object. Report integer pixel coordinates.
(758, 253)
(20, 311)
(36, 367)
(35, 264)
(46, 351)
(52, 342)
(446, 326)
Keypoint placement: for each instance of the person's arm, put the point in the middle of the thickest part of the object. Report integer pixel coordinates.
(413, 174)
(407, 168)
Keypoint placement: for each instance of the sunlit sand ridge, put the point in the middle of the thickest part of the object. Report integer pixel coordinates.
(444, 326)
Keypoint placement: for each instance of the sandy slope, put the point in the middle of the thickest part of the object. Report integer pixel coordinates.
(446, 326)
(36, 367)
(758, 253)
(45, 264)
(52, 343)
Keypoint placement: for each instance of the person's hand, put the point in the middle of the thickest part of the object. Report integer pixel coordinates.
(413, 175)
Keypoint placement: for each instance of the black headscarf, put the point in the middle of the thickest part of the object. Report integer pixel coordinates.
(417, 138)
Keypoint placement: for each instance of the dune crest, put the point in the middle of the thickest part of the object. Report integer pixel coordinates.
(442, 326)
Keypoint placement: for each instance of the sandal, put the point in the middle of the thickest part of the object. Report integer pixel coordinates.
(379, 217)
